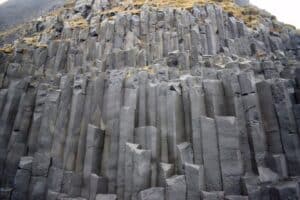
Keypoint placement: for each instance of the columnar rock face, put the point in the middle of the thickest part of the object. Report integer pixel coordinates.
(129, 101)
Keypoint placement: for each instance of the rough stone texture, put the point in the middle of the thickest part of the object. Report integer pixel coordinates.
(157, 193)
(110, 100)
(176, 188)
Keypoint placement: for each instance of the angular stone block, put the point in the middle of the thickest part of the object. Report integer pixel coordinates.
(165, 171)
(21, 183)
(141, 171)
(236, 197)
(277, 163)
(106, 197)
(214, 98)
(247, 83)
(129, 165)
(37, 188)
(267, 175)
(55, 179)
(176, 188)
(41, 164)
(195, 181)
(72, 183)
(155, 193)
(98, 185)
(185, 155)
(217, 195)
(286, 190)
(5, 193)
(26, 162)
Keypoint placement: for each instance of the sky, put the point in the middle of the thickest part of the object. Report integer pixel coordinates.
(286, 11)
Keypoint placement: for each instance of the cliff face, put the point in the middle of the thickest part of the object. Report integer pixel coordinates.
(162, 100)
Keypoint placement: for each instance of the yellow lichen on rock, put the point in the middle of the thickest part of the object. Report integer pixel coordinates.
(148, 69)
(79, 22)
(7, 48)
(31, 40)
(248, 14)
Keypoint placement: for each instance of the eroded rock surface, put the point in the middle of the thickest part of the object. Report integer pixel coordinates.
(118, 100)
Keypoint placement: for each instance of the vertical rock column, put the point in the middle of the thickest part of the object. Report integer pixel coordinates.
(17, 143)
(77, 107)
(142, 98)
(37, 118)
(252, 112)
(147, 138)
(214, 98)
(175, 125)
(235, 107)
(289, 136)
(8, 117)
(269, 117)
(48, 123)
(162, 121)
(92, 114)
(41, 158)
(113, 98)
(194, 180)
(197, 103)
(137, 170)
(22, 179)
(127, 119)
(230, 155)
(92, 161)
(60, 131)
(211, 159)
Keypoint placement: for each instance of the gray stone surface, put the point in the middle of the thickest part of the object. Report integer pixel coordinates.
(176, 188)
(119, 100)
(212, 195)
(156, 193)
(211, 161)
(185, 155)
(230, 158)
(106, 197)
(195, 180)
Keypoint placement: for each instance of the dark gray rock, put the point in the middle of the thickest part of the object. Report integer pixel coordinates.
(157, 193)
(176, 188)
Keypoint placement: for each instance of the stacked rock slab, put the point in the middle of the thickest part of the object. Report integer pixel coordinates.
(134, 102)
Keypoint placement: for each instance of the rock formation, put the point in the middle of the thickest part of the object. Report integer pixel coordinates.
(156, 100)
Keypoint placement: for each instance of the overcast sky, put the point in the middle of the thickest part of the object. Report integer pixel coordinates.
(285, 10)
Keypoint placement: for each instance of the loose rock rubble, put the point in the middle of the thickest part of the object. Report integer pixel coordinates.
(107, 100)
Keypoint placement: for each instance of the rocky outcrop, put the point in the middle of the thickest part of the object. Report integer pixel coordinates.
(110, 100)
